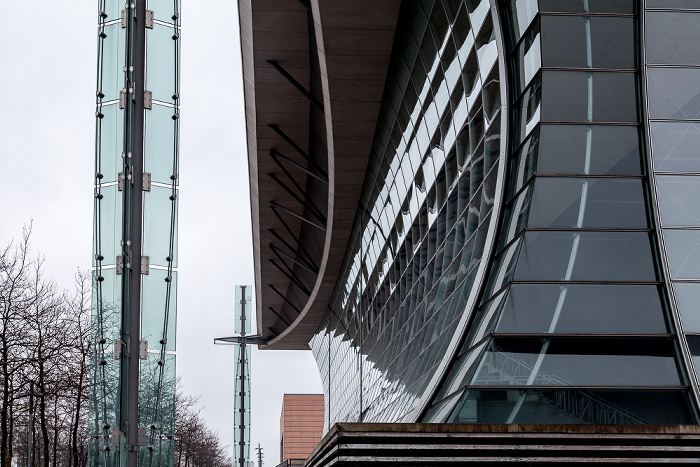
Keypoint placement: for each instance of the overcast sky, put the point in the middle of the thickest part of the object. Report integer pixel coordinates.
(47, 132)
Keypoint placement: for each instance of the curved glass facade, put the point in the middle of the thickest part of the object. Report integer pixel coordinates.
(423, 223)
(574, 325)
(517, 237)
(672, 65)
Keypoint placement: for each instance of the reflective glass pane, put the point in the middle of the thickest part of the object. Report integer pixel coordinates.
(461, 371)
(563, 41)
(106, 317)
(107, 242)
(610, 150)
(157, 395)
(588, 6)
(579, 362)
(675, 146)
(163, 10)
(522, 12)
(673, 93)
(565, 96)
(155, 301)
(586, 256)
(104, 393)
(694, 346)
(679, 204)
(159, 220)
(599, 407)
(160, 62)
(673, 38)
(158, 454)
(160, 142)
(112, 62)
(529, 56)
(683, 253)
(680, 4)
(439, 411)
(583, 309)
(587, 203)
(687, 299)
(613, 42)
(110, 142)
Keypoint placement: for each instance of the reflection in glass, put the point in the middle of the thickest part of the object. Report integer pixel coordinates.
(687, 299)
(160, 62)
(679, 204)
(112, 62)
(154, 302)
(157, 217)
(586, 256)
(159, 158)
(683, 252)
(109, 220)
(672, 38)
(163, 10)
(574, 406)
(583, 309)
(111, 142)
(675, 146)
(673, 93)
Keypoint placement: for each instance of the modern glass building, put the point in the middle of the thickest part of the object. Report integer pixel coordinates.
(480, 211)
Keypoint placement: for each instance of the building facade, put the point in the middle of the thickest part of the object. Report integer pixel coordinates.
(480, 211)
(301, 426)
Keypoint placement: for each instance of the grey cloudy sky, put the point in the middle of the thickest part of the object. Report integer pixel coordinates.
(47, 131)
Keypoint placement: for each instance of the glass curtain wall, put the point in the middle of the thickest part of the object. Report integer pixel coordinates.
(113, 153)
(573, 325)
(672, 58)
(416, 255)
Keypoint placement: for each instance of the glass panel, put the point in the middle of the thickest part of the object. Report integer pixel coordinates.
(154, 301)
(565, 96)
(613, 42)
(104, 393)
(106, 317)
(683, 252)
(579, 362)
(160, 62)
(563, 41)
(461, 371)
(109, 221)
(522, 12)
(614, 150)
(157, 395)
(587, 203)
(162, 454)
(678, 201)
(242, 405)
(599, 407)
(112, 61)
(529, 56)
(586, 256)
(687, 299)
(680, 4)
(163, 10)
(674, 146)
(673, 38)
(160, 142)
(240, 291)
(588, 6)
(113, 9)
(111, 142)
(99, 457)
(439, 411)
(673, 93)
(583, 309)
(158, 210)
(694, 346)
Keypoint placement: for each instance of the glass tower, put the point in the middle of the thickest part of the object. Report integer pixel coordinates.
(132, 391)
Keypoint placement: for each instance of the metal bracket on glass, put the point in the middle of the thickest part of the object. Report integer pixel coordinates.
(123, 19)
(149, 19)
(122, 98)
(115, 436)
(147, 100)
(120, 181)
(120, 264)
(143, 350)
(146, 181)
(145, 261)
(142, 436)
(118, 349)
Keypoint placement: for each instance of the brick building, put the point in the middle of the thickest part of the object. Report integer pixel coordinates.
(301, 426)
